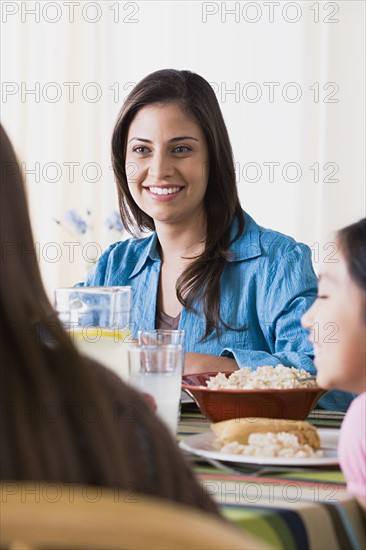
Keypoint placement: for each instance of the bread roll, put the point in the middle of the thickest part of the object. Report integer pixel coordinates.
(239, 429)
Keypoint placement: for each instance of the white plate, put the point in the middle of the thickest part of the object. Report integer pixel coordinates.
(201, 445)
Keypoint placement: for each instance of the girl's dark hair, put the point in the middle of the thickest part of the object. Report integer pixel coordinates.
(60, 420)
(195, 96)
(352, 240)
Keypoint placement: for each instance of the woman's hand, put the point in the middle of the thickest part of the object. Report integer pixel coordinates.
(195, 363)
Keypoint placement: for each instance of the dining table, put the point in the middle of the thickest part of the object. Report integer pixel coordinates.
(287, 507)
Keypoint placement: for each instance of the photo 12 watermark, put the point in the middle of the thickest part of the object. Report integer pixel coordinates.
(270, 12)
(51, 493)
(286, 172)
(52, 252)
(246, 493)
(68, 171)
(274, 91)
(54, 12)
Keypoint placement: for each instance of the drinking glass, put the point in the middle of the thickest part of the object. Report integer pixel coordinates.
(157, 369)
(165, 336)
(162, 336)
(97, 320)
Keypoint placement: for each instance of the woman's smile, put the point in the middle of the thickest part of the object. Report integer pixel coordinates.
(164, 193)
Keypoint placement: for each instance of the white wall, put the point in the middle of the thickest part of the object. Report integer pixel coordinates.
(296, 50)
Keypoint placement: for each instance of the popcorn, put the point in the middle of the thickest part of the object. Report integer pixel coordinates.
(266, 377)
(278, 445)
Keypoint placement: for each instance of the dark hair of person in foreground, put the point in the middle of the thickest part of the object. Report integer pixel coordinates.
(64, 418)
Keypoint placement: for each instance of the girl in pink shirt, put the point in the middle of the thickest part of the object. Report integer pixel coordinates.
(337, 324)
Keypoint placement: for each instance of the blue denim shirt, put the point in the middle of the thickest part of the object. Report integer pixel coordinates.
(266, 287)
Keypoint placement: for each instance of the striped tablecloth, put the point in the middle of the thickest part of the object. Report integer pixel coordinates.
(290, 510)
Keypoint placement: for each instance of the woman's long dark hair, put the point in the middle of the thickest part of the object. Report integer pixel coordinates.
(60, 420)
(194, 95)
(352, 240)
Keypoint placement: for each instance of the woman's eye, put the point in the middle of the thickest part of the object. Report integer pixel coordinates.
(182, 149)
(140, 149)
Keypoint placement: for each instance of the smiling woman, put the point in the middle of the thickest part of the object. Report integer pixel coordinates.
(237, 289)
(170, 183)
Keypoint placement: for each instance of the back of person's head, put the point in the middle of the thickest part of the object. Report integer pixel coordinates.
(196, 97)
(40, 369)
(21, 287)
(352, 241)
(61, 420)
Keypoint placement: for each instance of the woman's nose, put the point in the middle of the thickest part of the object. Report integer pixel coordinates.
(161, 166)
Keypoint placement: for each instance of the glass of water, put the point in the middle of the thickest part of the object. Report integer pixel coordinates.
(162, 336)
(157, 369)
(165, 336)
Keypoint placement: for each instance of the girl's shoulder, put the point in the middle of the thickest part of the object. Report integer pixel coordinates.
(355, 418)
(358, 406)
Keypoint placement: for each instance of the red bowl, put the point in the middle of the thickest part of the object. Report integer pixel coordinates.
(217, 405)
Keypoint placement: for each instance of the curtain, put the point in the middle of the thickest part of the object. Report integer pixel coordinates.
(289, 77)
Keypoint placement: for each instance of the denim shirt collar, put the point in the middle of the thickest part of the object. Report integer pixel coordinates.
(242, 249)
(249, 246)
(150, 251)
